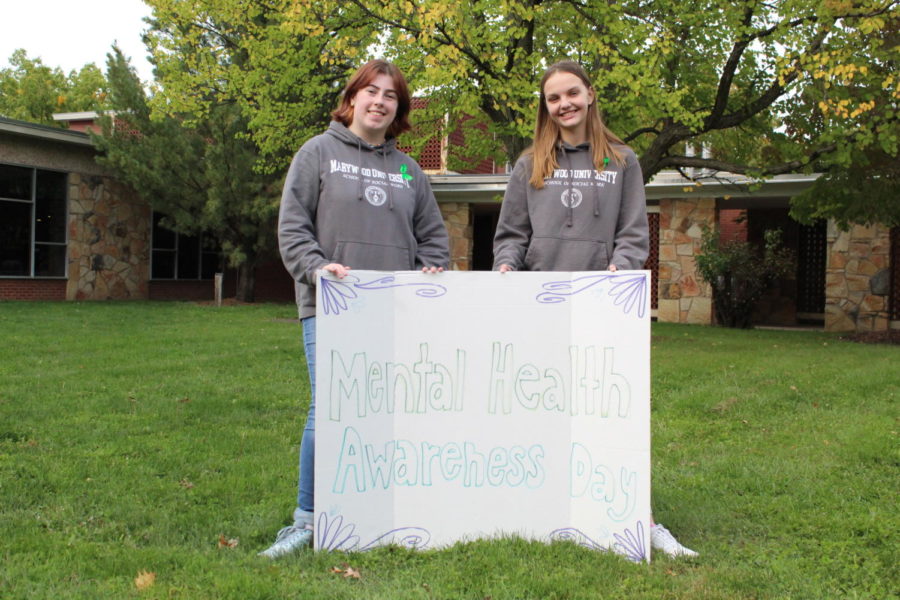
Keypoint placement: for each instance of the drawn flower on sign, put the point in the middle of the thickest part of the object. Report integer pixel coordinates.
(334, 534)
(337, 294)
(628, 289)
(631, 544)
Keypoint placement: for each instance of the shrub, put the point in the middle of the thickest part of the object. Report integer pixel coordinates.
(740, 272)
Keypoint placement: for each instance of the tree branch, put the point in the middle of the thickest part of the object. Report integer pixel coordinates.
(639, 132)
(728, 71)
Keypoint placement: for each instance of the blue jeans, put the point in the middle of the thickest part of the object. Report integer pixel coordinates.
(308, 442)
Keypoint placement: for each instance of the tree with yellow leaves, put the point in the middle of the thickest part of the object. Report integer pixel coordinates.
(768, 87)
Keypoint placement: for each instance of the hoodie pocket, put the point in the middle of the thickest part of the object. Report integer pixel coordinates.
(566, 254)
(380, 257)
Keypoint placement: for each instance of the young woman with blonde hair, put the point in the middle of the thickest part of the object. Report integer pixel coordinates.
(575, 200)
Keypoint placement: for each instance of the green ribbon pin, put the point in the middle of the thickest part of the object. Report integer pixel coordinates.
(406, 176)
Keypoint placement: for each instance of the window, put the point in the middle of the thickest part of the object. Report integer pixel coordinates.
(32, 222)
(180, 256)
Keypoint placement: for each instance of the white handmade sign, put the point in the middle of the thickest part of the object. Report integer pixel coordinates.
(469, 405)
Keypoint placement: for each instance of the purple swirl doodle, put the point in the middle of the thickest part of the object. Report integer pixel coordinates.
(427, 290)
(336, 294)
(576, 536)
(335, 535)
(629, 290)
(631, 545)
(414, 538)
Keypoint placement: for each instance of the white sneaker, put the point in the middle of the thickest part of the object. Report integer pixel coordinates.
(289, 540)
(662, 539)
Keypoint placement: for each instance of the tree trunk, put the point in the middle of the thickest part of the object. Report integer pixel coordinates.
(514, 145)
(246, 282)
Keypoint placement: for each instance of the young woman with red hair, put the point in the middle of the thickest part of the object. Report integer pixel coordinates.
(352, 198)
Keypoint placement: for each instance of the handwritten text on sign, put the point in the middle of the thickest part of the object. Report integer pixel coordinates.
(465, 405)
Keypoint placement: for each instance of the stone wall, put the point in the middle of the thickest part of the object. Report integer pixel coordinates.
(857, 278)
(683, 296)
(109, 240)
(458, 218)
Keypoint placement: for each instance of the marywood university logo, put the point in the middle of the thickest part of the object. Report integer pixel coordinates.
(375, 195)
(571, 198)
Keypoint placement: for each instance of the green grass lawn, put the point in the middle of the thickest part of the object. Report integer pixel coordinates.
(134, 436)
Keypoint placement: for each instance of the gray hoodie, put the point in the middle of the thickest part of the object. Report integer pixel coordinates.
(367, 207)
(581, 220)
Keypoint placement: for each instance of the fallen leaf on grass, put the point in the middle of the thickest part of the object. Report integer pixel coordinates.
(144, 579)
(227, 542)
(347, 571)
(185, 484)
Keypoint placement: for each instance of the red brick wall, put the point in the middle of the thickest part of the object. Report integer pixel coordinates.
(652, 263)
(85, 126)
(895, 274)
(32, 289)
(457, 142)
(273, 283)
(430, 157)
(732, 225)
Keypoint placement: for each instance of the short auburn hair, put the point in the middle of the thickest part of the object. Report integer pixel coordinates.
(362, 78)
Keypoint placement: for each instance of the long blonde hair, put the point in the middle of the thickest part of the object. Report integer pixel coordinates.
(547, 137)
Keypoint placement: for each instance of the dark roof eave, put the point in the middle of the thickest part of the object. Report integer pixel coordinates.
(43, 132)
(487, 188)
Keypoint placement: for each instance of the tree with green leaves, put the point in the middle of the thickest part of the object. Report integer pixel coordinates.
(31, 91)
(255, 56)
(201, 177)
(766, 87)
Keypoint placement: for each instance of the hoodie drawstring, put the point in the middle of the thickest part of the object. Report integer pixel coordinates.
(390, 188)
(359, 194)
(570, 193)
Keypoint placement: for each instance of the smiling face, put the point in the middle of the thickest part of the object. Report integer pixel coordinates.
(567, 99)
(374, 109)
